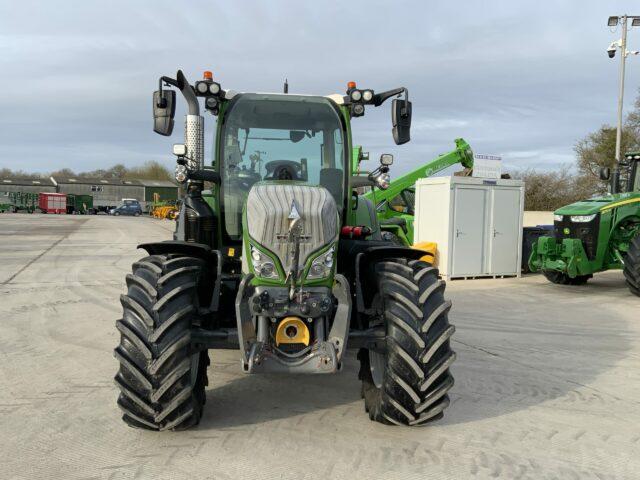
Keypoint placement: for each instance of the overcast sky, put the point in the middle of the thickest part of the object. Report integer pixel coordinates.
(521, 79)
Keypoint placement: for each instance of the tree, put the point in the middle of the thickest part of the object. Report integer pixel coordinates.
(598, 149)
(548, 191)
(151, 170)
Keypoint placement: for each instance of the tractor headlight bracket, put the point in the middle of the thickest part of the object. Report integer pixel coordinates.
(322, 265)
(263, 265)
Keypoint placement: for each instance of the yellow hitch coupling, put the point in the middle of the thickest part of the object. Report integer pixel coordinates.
(292, 330)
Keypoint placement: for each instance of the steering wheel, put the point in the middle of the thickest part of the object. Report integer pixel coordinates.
(282, 170)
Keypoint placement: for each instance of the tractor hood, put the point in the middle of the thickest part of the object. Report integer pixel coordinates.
(273, 206)
(595, 205)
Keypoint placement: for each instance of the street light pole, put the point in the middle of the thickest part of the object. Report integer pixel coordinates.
(623, 55)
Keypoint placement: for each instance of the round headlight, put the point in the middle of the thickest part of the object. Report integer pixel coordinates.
(317, 270)
(211, 102)
(214, 88)
(358, 109)
(356, 95)
(367, 95)
(255, 254)
(181, 174)
(202, 87)
(267, 269)
(328, 261)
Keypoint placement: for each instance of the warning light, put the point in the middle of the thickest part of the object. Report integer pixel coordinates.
(351, 85)
(207, 75)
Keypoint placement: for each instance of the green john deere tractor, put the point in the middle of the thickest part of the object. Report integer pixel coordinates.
(595, 235)
(282, 261)
(396, 205)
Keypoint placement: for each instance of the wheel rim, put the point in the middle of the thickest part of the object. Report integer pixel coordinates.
(378, 367)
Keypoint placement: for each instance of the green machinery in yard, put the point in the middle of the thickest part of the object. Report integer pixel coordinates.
(395, 205)
(80, 204)
(23, 201)
(284, 261)
(6, 204)
(595, 235)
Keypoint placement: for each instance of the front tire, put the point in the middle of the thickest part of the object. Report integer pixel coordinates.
(632, 266)
(161, 380)
(560, 278)
(408, 383)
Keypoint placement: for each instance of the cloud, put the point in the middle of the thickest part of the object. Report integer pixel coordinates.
(509, 77)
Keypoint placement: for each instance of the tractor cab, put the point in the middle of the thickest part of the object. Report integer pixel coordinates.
(626, 175)
(278, 138)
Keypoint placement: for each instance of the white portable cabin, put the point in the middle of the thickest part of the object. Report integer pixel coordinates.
(476, 223)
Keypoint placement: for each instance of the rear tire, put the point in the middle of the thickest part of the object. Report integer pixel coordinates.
(561, 278)
(632, 266)
(408, 384)
(161, 380)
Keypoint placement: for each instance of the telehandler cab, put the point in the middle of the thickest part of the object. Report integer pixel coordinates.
(283, 261)
(396, 204)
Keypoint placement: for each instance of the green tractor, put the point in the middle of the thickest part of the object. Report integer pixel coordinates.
(283, 261)
(396, 205)
(595, 235)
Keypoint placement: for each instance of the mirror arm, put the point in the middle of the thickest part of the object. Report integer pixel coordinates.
(380, 98)
(361, 181)
(181, 83)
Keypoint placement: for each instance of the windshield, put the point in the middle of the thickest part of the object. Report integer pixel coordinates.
(278, 137)
(636, 172)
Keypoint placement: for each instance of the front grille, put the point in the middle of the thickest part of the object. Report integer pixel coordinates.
(587, 232)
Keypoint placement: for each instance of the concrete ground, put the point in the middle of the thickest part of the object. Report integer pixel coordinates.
(547, 381)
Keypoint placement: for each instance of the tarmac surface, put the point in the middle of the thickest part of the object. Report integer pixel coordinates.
(547, 381)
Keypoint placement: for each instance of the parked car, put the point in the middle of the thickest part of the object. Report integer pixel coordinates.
(128, 209)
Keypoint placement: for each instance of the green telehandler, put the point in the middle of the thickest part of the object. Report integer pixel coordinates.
(595, 235)
(283, 261)
(395, 206)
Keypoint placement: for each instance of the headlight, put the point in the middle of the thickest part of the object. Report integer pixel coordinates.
(202, 87)
(263, 264)
(582, 218)
(181, 173)
(367, 95)
(214, 88)
(356, 95)
(211, 102)
(558, 218)
(322, 265)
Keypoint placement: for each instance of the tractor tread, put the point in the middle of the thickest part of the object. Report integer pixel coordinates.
(417, 380)
(632, 266)
(157, 391)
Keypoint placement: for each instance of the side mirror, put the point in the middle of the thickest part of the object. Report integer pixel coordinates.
(164, 109)
(401, 121)
(386, 159)
(605, 173)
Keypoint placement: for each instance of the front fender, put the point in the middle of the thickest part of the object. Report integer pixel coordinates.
(213, 258)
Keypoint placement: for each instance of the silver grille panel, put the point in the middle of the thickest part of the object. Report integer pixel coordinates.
(268, 208)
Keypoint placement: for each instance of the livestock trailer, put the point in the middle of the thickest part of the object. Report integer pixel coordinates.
(80, 204)
(52, 202)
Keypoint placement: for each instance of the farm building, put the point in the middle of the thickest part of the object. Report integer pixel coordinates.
(109, 192)
(30, 185)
